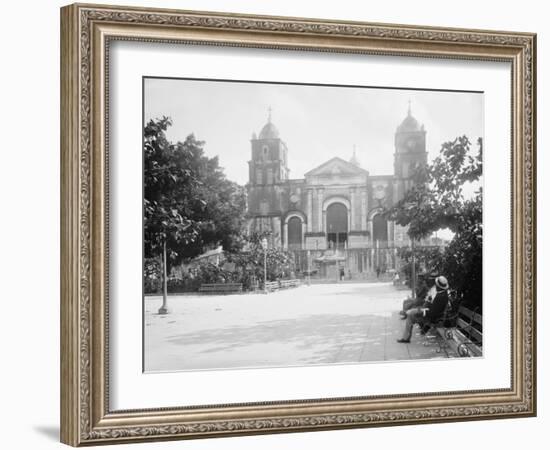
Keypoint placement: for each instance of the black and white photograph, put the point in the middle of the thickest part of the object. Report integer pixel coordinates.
(243, 225)
(294, 225)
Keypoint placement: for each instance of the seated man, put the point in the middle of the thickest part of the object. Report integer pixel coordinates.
(430, 311)
(425, 291)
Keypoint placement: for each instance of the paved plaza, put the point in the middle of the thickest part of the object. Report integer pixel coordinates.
(317, 324)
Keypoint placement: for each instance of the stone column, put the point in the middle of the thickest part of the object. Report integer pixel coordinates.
(370, 230)
(310, 210)
(364, 210)
(285, 235)
(372, 259)
(320, 224)
(352, 225)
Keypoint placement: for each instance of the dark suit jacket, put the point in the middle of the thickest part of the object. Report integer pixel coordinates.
(437, 306)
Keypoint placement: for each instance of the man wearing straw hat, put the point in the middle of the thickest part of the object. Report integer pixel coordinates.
(430, 311)
(425, 291)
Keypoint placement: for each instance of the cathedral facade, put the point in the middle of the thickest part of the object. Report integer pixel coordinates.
(338, 205)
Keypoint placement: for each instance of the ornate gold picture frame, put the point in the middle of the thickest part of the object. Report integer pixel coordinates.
(87, 31)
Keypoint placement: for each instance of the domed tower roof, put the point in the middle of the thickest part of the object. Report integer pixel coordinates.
(269, 131)
(409, 123)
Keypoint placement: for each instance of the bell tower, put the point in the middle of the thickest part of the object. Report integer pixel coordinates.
(410, 147)
(269, 159)
(268, 172)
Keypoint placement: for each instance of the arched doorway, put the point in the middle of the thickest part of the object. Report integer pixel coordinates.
(295, 233)
(337, 225)
(380, 230)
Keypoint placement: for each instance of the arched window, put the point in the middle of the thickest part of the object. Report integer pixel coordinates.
(295, 233)
(337, 225)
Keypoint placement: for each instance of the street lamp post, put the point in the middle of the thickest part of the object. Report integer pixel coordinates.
(337, 262)
(413, 272)
(377, 249)
(264, 246)
(164, 308)
(308, 268)
(410, 206)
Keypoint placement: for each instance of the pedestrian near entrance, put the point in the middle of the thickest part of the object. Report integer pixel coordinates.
(430, 311)
(396, 279)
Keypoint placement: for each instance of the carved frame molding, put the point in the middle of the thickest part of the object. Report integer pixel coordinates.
(86, 31)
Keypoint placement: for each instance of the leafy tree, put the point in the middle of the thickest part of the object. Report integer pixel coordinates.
(152, 282)
(186, 188)
(171, 189)
(249, 264)
(188, 202)
(222, 218)
(425, 258)
(439, 199)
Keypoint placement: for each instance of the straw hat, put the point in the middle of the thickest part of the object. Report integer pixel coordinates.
(441, 282)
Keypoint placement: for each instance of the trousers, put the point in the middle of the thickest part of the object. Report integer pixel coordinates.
(414, 315)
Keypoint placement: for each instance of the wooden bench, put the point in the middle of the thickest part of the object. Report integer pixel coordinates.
(221, 288)
(272, 286)
(465, 338)
(285, 284)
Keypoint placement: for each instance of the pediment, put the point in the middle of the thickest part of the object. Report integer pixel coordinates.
(336, 167)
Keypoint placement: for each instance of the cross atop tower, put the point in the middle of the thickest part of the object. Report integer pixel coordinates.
(409, 110)
(269, 114)
(354, 159)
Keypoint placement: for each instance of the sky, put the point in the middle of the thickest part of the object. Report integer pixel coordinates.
(317, 122)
